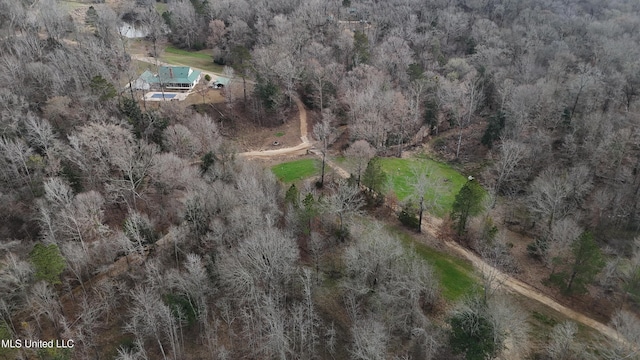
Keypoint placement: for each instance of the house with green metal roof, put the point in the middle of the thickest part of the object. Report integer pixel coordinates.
(169, 78)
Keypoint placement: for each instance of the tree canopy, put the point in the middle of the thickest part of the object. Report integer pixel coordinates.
(468, 203)
(48, 263)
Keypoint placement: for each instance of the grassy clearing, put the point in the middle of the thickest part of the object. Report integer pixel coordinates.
(401, 175)
(141, 66)
(279, 134)
(198, 59)
(457, 277)
(191, 54)
(295, 170)
(72, 5)
(161, 7)
(340, 159)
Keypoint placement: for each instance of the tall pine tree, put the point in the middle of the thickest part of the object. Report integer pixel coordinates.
(468, 203)
(581, 270)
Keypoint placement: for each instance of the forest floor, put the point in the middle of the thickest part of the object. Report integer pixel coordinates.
(301, 148)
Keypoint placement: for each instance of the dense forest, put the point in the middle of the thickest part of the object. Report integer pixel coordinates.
(137, 231)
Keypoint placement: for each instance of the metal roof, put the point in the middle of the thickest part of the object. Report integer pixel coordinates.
(222, 80)
(171, 74)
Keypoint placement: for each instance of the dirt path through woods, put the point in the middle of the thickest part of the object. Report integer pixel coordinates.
(498, 278)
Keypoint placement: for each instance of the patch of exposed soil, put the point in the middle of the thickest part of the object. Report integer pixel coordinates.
(471, 149)
(204, 94)
(239, 125)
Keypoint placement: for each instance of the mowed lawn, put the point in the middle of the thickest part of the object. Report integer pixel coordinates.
(401, 175)
(456, 276)
(198, 59)
(296, 170)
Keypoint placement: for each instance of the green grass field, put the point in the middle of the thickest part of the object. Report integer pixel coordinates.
(401, 174)
(456, 276)
(161, 7)
(72, 5)
(141, 66)
(296, 170)
(198, 59)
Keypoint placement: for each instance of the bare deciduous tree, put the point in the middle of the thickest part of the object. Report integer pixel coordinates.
(322, 132)
(380, 271)
(42, 300)
(263, 263)
(562, 234)
(425, 190)
(549, 193)
(345, 201)
(180, 141)
(133, 164)
(229, 91)
(321, 77)
(136, 353)
(370, 340)
(510, 167)
(186, 25)
(53, 19)
(66, 217)
(217, 31)
(360, 153)
(194, 284)
(40, 135)
(564, 344)
(305, 321)
(151, 318)
(15, 278)
(17, 163)
(627, 325)
(555, 192)
(510, 322)
(461, 100)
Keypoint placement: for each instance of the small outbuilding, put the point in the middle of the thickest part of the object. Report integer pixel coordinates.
(219, 82)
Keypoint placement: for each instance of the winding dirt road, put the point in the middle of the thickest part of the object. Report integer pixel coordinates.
(499, 278)
(430, 226)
